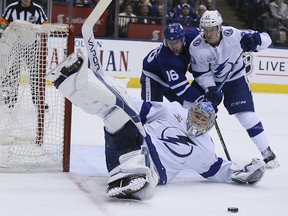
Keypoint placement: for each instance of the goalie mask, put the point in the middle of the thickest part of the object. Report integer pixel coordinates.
(201, 118)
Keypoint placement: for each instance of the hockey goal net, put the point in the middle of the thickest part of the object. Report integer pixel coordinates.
(35, 118)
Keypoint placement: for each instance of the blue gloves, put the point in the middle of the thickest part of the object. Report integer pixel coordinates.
(250, 41)
(213, 96)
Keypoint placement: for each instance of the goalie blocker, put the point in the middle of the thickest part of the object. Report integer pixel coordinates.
(133, 173)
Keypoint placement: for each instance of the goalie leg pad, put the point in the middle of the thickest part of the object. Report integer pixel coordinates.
(94, 93)
(93, 98)
(115, 120)
(77, 83)
(132, 179)
(124, 101)
(69, 66)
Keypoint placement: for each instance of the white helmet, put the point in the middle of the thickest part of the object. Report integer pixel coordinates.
(210, 19)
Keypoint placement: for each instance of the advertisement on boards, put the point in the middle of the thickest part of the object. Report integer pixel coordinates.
(270, 66)
(121, 58)
(267, 70)
(79, 15)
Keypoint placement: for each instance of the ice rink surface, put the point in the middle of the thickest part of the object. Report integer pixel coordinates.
(82, 191)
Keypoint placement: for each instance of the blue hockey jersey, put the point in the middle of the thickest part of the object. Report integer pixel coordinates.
(168, 69)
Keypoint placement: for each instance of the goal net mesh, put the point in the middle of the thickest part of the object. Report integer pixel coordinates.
(32, 121)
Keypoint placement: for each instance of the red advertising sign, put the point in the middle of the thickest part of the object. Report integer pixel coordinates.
(79, 15)
(145, 31)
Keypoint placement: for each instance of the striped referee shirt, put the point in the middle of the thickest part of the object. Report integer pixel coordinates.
(33, 14)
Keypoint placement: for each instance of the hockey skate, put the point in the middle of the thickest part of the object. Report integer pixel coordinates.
(270, 158)
(251, 173)
(66, 68)
(125, 188)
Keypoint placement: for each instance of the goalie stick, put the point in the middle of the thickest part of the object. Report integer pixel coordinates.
(88, 35)
(95, 64)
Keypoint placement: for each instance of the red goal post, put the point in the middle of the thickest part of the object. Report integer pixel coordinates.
(35, 121)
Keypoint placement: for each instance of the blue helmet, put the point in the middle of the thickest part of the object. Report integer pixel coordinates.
(174, 31)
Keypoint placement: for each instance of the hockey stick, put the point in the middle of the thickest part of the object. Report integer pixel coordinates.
(228, 76)
(222, 141)
(88, 35)
(230, 73)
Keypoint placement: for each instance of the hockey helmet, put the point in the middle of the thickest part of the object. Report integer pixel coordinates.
(201, 117)
(174, 31)
(210, 19)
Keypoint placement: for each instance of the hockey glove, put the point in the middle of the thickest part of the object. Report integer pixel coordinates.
(213, 96)
(249, 42)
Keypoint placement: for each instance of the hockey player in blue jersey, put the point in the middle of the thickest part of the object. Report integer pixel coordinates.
(147, 143)
(164, 68)
(213, 54)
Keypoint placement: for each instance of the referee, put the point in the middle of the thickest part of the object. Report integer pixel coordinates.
(29, 11)
(22, 10)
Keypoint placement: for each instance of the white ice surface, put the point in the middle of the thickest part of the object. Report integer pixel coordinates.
(82, 191)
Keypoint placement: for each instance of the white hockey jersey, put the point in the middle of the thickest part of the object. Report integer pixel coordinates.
(211, 64)
(172, 150)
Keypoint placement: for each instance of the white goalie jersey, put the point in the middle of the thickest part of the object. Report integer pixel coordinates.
(172, 149)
